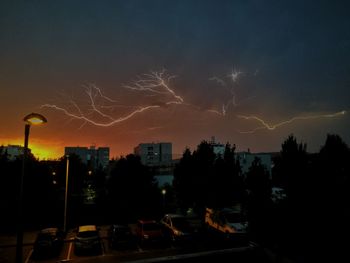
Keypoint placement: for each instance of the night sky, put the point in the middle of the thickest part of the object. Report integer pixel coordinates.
(191, 70)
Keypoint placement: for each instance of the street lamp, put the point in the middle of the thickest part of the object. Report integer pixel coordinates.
(31, 119)
(54, 178)
(66, 196)
(163, 193)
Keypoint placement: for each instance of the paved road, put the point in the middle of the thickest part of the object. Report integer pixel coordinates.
(209, 247)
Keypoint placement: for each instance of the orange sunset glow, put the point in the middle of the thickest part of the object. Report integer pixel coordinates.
(120, 83)
(40, 149)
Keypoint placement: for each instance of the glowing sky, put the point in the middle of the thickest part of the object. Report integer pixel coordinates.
(247, 72)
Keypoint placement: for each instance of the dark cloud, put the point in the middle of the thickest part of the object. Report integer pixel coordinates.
(294, 54)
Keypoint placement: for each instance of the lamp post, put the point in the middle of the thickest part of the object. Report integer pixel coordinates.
(31, 119)
(66, 196)
(54, 178)
(163, 194)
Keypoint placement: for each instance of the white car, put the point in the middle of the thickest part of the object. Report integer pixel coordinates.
(227, 221)
(178, 227)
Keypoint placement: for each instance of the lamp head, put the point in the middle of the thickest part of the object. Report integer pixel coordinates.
(35, 119)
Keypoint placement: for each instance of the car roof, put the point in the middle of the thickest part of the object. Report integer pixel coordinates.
(87, 228)
(175, 215)
(147, 221)
(228, 210)
(49, 230)
(118, 226)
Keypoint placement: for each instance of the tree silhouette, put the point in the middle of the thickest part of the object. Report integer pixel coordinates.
(204, 179)
(259, 199)
(132, 191)
(291, 165)
(38, 193)
(293, 171)
(226, 184)
(184, 183)
(333, 193)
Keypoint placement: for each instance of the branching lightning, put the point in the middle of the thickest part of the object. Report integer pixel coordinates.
(271, 127)
(96, 123)
(234, 77)
(156, 83)
(100, 109)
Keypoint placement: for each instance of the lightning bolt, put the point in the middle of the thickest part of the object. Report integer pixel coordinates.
(155, 83)
(158, 83)
(234, 77)
(99, 110)
(101, 124)
(271, 127)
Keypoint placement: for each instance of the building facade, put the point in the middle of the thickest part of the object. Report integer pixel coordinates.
(154, 154)
(95, 157)
(13, 151)
(218, 148)
(246, 159)
(158, 157)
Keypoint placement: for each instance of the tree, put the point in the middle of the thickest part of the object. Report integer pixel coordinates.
(226, 183)
(259, 200)
(184, 184)
(204, 179)
(291, 168)
(258, 181)
(132, 191)
(333, 192)
(293, 171)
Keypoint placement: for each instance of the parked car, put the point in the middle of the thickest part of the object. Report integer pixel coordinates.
(120, 236)
(87, 240)
(48, 243)
(178, 227)
(278, 194)
(229, 222)
(148, 230)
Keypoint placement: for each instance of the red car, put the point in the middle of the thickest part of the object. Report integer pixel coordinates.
(148, 230)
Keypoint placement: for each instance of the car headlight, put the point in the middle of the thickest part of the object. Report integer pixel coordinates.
(178, 233)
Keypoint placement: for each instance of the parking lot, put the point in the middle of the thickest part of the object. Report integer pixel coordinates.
(140, 251)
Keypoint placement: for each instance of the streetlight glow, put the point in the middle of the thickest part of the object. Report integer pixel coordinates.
(35, 119)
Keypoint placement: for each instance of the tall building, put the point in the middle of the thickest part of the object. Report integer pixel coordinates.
(246, 159)
(12, 151)
(103, 156)
(95, 157)
(154, 154)
(158, 157)
(218, 148)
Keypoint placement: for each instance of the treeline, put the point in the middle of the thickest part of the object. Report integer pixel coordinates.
(316, 209)
(311, 222)
(313, 219)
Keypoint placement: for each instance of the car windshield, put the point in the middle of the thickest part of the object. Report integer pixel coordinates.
(121, 231)
(44, 237)
(151, 227)
(181, 223)
(234, 218)
(87, 234)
